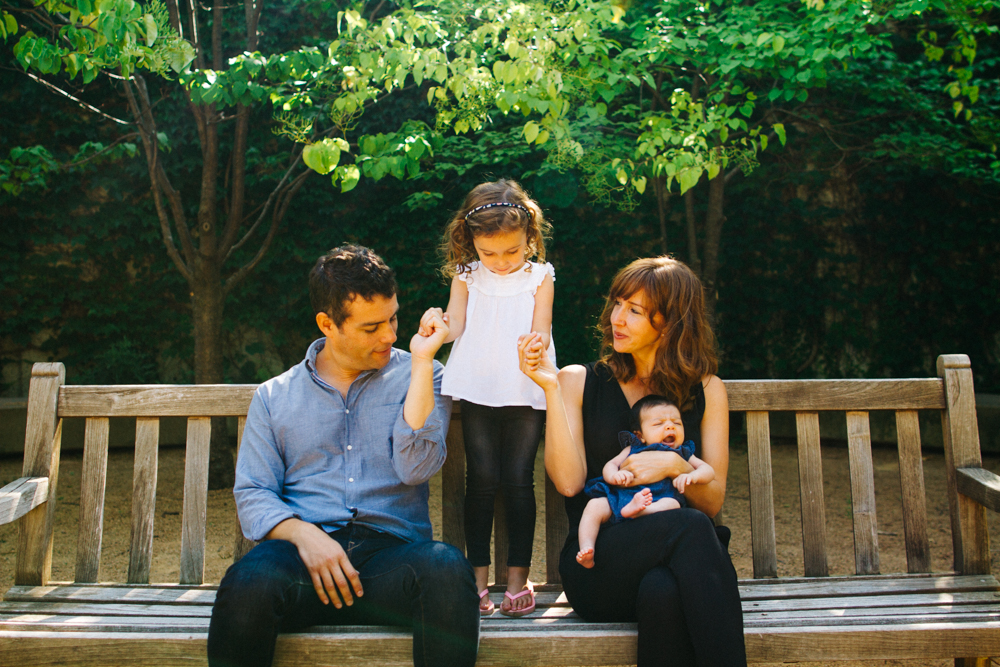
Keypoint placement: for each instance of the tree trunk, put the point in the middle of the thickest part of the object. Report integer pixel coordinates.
(714, 218)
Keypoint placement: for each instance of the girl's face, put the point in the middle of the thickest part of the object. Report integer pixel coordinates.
(631, 327)
(502, 253)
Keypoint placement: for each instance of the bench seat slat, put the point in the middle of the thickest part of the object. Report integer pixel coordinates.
(503, 648)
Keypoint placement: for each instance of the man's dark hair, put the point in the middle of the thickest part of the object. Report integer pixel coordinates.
(346, 272)
(643, 404)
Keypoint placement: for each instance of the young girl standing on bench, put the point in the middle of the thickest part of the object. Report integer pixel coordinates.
(497, 294)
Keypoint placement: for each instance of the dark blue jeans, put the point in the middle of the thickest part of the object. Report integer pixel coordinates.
(428, 586)
(500, 448)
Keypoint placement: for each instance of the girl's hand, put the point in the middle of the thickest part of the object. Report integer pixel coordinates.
(650, 467)
(533, 360)
(623, 478)
(429, 339)
(425, 328)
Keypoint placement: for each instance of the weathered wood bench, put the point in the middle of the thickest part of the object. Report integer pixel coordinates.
(918, 614)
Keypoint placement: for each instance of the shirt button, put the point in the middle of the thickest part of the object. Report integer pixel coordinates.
(350, 479)
(350, 447)
(347, 412)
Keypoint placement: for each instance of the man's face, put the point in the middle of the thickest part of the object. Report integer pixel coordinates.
(363, 342)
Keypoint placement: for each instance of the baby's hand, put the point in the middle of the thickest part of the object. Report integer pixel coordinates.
(623, 478)
(681, 482)
(426, 329)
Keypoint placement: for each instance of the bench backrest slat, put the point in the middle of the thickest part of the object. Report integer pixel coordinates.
(241, 545)
(911, 483)
(812, 504)
(765, 558)
(202, 400)
(859, 444)
(147, 437)
(195, 512)
(809, 395)
(93, 480)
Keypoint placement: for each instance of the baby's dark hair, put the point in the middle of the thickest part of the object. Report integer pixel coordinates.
(645, 403)
(513, 210)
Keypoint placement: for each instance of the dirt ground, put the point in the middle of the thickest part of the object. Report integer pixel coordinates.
(221, 521)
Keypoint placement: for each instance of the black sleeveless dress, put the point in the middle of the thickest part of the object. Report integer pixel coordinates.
(606, 412)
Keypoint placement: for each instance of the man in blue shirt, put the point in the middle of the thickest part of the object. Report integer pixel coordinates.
(332, 477)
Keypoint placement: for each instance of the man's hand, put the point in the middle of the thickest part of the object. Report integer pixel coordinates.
(431, 335)
(328, 565)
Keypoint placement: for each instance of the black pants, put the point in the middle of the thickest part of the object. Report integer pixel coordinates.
(670, 572)
(500, 448)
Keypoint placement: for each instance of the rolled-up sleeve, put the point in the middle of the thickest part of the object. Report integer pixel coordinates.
(417, 455)
(260, 475)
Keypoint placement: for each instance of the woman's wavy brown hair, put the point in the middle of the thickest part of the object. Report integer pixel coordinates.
(688, 351)
(457, 248)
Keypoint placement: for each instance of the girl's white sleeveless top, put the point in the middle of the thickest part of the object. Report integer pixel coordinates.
(483, 365)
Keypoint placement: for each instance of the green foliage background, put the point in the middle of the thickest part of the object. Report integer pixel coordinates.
(864, 248)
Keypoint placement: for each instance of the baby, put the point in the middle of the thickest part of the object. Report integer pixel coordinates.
(658, 427)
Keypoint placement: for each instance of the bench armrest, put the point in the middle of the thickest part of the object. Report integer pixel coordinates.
(21, 496)
(981, 485)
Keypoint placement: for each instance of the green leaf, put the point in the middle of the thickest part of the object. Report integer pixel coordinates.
(10, 23)
(531, 131)
(640, 184)
(349, 177)
(779, 129)
(689, 178)
(622, 177)
(762, 38)
(322, 156)
(778, 44)
(150, 25)
(763, 142)
(543, 136)
(713, 170)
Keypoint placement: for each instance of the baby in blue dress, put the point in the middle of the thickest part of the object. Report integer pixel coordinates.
(658, 427)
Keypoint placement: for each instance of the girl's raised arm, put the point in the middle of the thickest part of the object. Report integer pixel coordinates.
(541, 319)
(457, 303)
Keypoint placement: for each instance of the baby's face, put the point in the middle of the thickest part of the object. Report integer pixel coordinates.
(662, 423)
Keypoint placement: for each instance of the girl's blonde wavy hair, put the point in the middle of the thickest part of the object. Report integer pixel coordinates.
(688, 351)
(457, 248)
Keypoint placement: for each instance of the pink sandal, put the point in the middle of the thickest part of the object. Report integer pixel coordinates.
(517, 613)
(490, 607)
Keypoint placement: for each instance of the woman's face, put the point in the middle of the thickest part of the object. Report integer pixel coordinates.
(631, 327)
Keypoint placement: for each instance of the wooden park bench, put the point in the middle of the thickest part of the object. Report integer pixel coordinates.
(872, 615)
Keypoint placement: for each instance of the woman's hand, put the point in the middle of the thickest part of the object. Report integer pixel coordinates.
(533, 360)
(651, 467)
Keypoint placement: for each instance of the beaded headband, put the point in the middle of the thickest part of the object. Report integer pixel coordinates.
(499, 203)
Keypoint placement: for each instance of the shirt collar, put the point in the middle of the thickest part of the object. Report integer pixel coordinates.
(310, 361)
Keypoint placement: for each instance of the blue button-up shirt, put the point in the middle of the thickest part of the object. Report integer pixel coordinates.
(310, 453)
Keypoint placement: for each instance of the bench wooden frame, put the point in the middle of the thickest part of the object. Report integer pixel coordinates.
(918, 614)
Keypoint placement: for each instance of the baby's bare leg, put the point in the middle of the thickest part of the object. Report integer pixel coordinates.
(598, 511)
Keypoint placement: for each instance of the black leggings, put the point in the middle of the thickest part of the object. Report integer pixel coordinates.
(670, 572)
(500, 448)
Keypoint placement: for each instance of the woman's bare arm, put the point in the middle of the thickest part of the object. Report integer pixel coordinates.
(714, 448)
(565, 458)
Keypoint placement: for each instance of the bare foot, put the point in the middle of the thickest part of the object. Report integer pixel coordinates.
(586, 558)
(639, 502)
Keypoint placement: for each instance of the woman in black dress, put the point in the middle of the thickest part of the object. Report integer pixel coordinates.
(670, 571)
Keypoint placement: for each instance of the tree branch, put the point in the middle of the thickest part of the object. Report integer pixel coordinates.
(275, 193)
(85, 105)
(276, 217)
(147, 131)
